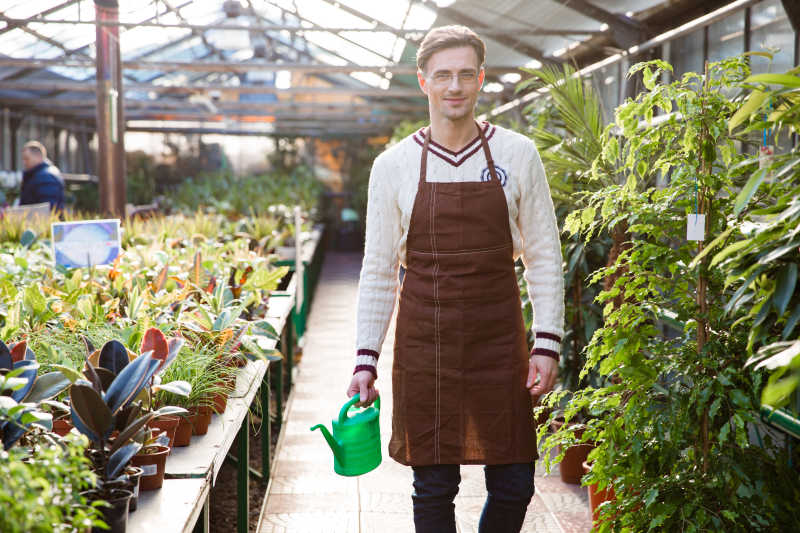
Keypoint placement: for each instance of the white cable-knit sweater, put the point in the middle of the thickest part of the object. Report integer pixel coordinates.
(392, 189)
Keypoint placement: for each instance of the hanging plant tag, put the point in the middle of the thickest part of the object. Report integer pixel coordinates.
(695, 227)
(149, 470)
(766, 156)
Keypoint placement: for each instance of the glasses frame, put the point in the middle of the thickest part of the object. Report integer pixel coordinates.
(457, 75)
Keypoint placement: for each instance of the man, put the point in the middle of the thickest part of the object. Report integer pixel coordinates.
(456, 204)
(41, 181)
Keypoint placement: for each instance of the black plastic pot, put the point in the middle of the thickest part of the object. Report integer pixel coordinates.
(134, 474)
(115, 515)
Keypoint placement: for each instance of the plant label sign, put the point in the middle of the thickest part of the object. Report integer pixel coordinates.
(86, 243)
(695, 227)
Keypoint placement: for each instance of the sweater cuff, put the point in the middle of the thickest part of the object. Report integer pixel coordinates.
(367, 360)
(547, 344)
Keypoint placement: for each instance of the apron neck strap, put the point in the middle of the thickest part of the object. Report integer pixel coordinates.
(423, 166)
(488, 154)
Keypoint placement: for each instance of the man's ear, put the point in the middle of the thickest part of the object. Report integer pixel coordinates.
(481, 77)
(422, 81)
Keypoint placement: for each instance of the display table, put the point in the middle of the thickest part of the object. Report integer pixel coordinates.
(174, 508)
(191, 471)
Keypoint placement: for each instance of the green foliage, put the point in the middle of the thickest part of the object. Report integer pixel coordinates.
(43, 495)
(672, 422)
(226, 193)
(567, 127)
(762, 262)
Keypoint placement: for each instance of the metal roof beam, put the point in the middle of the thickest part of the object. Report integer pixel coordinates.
(504, 39)
(21, 22)
(625, 31)
(316, 26)
(163, 104)
(223, 66)
(224, 89)
(407, 33)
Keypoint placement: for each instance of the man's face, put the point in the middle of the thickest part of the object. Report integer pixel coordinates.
(30, 159)
(452, 80)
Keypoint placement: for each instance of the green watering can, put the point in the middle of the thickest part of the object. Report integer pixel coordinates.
(356, 440)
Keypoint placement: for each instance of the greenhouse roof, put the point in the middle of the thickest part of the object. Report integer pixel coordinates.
(296, 67)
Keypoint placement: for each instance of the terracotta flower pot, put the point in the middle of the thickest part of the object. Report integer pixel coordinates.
(220, 399)
(200, 418)
(62, 426)
(571, 468)
(183, 433)
(153, 466)
(597, 496)
(169, 424)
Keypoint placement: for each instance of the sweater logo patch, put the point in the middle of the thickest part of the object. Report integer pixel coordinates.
(486, 175)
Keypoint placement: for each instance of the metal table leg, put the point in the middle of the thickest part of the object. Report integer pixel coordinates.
(266, 428)
(243, 478)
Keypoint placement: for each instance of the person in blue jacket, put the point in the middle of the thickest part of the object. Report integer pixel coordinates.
(41, 180)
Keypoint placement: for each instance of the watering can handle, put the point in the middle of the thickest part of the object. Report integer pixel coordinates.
(352, 402)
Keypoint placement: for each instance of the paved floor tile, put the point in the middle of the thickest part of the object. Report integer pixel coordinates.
(307, 496)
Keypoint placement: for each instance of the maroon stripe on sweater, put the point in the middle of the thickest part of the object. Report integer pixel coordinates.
(364, 351)
(464, 158)
(371, 368)
(545, 352)
(548, 336)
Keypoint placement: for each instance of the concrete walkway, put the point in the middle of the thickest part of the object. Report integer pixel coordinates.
(307, 496)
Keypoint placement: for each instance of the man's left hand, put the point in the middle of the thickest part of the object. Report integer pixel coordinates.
(546, 368)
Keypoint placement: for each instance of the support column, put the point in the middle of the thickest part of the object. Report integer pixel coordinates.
(57, 150)
(14, 125)
(110, 118)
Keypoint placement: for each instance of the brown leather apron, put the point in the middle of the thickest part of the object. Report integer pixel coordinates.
(460, 355)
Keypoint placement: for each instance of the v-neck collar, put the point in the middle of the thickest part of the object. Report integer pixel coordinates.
(449, 156)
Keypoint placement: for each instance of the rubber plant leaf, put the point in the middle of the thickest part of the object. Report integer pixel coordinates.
(91, 375)
(5, 356)
(21, 352)
(130, 431)
(181, 388)
(131, 381)
(113, 356)
(88, 344)
(155, 341)
(13, 430)
(47, 386)
(106, 376)
(29, 375)
(174, 347)
(120, 459)
(90, 414)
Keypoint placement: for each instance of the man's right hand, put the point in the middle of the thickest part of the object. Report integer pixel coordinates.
(363, 383)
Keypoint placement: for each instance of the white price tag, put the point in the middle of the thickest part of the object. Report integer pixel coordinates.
(695, 227)
(149, 470)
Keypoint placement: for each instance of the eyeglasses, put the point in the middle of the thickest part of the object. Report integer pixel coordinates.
(445, 78)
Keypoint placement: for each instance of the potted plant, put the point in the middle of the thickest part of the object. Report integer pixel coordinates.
(42, 487)
(98, 410)
(203, 371)
(673, 412)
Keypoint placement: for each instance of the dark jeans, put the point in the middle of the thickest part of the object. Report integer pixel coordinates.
(510, 489)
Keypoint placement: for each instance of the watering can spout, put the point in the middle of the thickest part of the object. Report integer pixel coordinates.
(337, 450)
